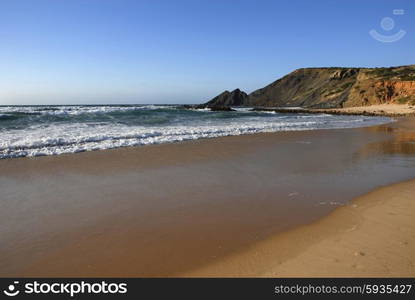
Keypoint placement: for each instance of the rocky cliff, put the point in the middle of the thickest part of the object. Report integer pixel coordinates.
(234, 98)
(330, 88)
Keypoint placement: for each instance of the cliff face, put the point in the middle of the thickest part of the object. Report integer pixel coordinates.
(373, 91)
(332, 88)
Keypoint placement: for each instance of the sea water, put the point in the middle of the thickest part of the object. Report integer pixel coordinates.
(55, 129)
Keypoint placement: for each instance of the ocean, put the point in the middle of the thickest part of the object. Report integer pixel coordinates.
(27, 131)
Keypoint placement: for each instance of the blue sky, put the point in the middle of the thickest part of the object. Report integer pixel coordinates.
(122, 51)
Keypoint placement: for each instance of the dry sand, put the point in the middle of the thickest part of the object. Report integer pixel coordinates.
(374, 236)
(389, 110)
(382, 109)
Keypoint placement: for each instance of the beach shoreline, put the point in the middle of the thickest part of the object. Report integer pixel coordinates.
(131, 225)
(385, 110)
(372, 236)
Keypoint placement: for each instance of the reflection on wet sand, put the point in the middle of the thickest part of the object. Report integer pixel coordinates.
(397, 140)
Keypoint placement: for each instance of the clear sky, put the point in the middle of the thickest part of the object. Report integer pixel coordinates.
(154, 51)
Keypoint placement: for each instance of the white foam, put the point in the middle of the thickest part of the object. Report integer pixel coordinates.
(242, 109)
(52, 138)
(77, 110)
(77, 137)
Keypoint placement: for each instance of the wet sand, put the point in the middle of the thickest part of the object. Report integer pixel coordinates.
(373, 236)
(192, 208)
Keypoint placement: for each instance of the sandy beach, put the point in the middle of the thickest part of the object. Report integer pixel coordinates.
(264, 140)
(373, 236)
(388, 109)
(380, 109)
(276, 204)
